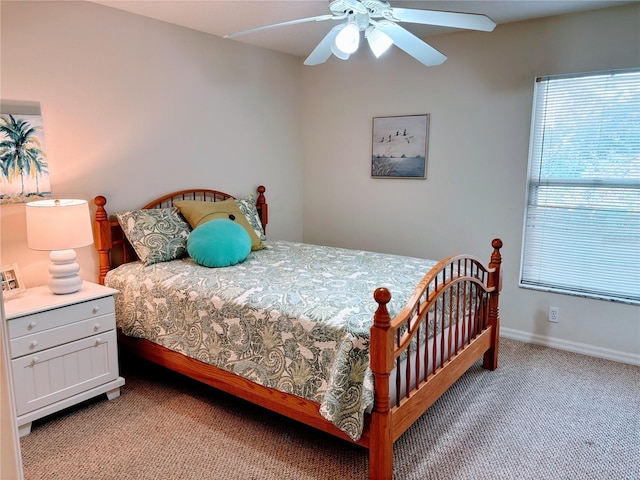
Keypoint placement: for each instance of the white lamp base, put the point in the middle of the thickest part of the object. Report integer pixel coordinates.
(64, 272)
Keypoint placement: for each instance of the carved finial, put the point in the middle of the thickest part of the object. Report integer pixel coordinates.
(381, 317)
(100, 201)
(382, 295)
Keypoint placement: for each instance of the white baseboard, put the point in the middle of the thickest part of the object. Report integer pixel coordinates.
(582, 348)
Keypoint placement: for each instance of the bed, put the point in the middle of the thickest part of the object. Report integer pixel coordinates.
(356, 344)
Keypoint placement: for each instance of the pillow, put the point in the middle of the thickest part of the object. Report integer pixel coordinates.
(198, 212)
(219, 243)
(157, 235)
(247, 205)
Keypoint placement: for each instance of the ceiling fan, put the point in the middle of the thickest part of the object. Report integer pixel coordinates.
(379, 21)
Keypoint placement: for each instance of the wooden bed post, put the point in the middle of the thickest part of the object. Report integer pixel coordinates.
(381, 360)
(490, 360)
(262, 207)
(102, 236)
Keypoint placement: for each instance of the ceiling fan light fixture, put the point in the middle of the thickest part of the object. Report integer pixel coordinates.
(339, 53)
(380, 23)
(348, 39)
(379, 42)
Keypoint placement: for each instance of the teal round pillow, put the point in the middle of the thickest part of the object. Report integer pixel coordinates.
(219, 243)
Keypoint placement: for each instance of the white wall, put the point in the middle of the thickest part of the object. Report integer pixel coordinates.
(480, 105)
(134, 108)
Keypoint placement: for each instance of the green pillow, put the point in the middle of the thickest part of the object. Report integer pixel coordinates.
(219, 243)
(157, 235)
(247, 205)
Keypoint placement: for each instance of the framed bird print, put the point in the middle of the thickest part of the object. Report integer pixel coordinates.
(399, 147)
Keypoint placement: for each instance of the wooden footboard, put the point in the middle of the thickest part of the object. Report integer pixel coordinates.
(450, 322)
(458, 297)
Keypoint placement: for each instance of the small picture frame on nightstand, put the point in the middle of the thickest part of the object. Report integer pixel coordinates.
(11, 280)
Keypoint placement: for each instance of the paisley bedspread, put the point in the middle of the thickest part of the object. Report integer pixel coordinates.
(294, 317)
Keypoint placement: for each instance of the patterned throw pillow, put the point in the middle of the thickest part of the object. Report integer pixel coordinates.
(157, 235)
(247, 206)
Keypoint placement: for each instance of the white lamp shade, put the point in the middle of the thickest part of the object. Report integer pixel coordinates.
(339, 53)
(58, 224)
(348, 39)
(379, 42)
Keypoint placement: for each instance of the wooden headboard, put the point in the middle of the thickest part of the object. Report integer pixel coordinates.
(111, 243)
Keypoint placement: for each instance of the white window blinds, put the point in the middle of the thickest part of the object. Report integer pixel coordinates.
(582, 219)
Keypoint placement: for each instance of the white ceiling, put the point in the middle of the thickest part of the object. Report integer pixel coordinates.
(220, 17)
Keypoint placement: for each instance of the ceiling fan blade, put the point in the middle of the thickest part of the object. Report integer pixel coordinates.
(407, 41)
(470, 21)
(322, 52)
(318, 18)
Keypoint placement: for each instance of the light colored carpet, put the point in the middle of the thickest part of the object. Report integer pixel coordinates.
(544, 414)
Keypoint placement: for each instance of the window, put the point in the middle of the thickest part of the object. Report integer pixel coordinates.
(582, 218)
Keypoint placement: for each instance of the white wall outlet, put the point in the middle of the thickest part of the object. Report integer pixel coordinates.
(554, 314)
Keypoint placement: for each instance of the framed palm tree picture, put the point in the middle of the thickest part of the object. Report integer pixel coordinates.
(24, 172)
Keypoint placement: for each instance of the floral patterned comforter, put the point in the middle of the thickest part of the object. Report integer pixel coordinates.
(294, 317)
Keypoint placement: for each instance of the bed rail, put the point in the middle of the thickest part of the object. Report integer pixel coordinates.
(453, 309)
(111, 243)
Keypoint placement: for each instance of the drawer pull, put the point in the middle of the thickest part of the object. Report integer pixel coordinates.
(98, 341)
(35, 360)
(96, 309)
(33, 344)
(32, 325)
(97, 326)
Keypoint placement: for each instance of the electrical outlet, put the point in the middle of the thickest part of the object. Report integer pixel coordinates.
(554, 314)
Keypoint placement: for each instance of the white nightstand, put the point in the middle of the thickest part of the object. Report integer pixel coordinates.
(63, 350)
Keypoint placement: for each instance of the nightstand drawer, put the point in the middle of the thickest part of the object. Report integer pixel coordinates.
(58, 373)
(52, 337)
(57, 317)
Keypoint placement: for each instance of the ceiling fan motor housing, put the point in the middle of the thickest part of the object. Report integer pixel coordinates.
(373, 8)
(360, 12)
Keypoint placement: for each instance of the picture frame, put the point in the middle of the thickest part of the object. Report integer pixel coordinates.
(23, 142)
(12, 285)
(399, 146)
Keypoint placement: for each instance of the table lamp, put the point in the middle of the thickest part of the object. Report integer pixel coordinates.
(60, 226)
